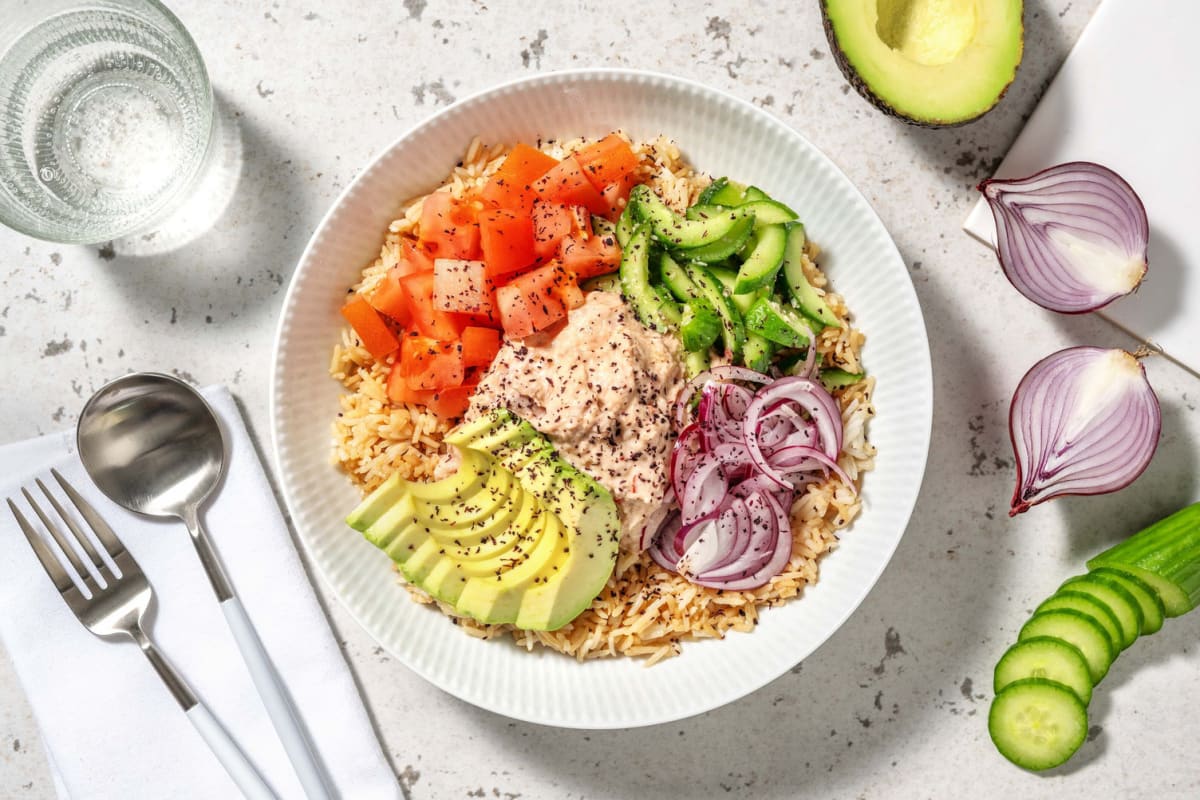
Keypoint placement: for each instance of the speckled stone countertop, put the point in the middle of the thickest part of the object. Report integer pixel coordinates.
(895, 704)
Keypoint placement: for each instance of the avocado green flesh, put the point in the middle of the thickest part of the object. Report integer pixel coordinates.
(932, 62)
(515, 535)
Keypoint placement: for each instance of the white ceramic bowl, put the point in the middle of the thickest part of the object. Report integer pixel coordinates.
(717, 134)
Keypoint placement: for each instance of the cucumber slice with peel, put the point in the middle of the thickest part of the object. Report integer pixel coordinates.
(834, 378)
(1037, 723)
(676, 232)
(1165, 556)
(1077, 629)
(1153, 610)
(1045, 657)
(1085, 604)
(1123, 605)
(763, 260)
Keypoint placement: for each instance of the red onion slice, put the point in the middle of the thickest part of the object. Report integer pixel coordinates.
(771, 528)
(720, 373)
(1071, 238)
(704, 491)
(1083, 421)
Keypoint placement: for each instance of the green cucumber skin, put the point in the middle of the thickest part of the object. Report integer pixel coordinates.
(1085, 604)
(1037, 624)
(1152, 605)
(834, 378)
(1063, 659)
(1124, 605)
(804, 296)
(1032, 691)
(763, 261)
(648, 305)
(1170, 550)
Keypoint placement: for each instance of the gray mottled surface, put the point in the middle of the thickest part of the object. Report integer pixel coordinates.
(895, 704)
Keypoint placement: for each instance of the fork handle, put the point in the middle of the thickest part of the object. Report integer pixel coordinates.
(280, 708)
(229, 754)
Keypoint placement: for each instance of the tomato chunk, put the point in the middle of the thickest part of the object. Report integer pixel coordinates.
(586, 258)
(616, 194)
(428, 320)
(507, 239)
(511, 185)
(429, 363)
(568, 184)
(388, 297)
(374, 333)
(552, 222)
(479, 346)
(417, 256)
(451, 403)
(399, 391)
(607, 160)
(531, 302)
(449, 228)
(463, 286)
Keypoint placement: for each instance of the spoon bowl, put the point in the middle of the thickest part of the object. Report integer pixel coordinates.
(152, 444)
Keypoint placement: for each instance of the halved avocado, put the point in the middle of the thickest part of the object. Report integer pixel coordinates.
(935, 63)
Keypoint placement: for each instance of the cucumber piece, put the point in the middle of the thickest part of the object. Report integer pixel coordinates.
(1044, 657)
(671, 311)
(778, 323)
(728, 279)
(766, 212)
(834, 378)
(1124, 605)
(1037, 723)
(651, 308)
(677, 281)
(757, 352)
(726, 246)
(804, 296)
(699, 327)
(763, 260)
(602, 227)
(1165, 556)
(733, 330)
(722, 192)
(1086, 604)
(696, 362)
(625, 225)
(1078, 629)
(678, 233)
(1152, 605)
(603, 283)
(754, 193)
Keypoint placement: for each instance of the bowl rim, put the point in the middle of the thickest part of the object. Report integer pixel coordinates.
(921, 361)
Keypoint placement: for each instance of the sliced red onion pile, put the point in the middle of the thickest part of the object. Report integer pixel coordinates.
(735, 470)
(1083, 421)
(1071, 238)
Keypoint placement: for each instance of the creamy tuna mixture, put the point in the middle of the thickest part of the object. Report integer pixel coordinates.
(601, 388)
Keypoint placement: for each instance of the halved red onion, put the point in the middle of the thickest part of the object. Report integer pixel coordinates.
(1083, 421)
(1071, 238)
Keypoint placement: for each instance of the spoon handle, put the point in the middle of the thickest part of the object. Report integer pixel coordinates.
(280, 708)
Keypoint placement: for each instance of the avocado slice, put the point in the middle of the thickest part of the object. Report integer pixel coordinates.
(935, 63)
(515, 535)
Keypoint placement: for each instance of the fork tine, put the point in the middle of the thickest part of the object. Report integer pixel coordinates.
(58, 576)
(80, 536)
(63, 544)
(92, 517)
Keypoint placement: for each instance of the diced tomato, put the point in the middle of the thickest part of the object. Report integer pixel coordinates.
(479, 346)
(511, 185)
(607, 160)
(464, 287)
(375, 334)
(452, 402)
(552, 222)
(531, 302)
(399, 391)
(570, 294)
(429, 321)
(388, 298)
(429, 363)
(616, 195)
(449, 228)
(507, 241)
(567, 184)
(416, 255)
(586, 258)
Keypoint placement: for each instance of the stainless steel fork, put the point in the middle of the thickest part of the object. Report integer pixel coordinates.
(116, 608)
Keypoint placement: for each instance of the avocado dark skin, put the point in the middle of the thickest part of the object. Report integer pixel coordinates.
(861, 87)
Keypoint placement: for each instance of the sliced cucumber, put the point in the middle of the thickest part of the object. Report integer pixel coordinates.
(1045, 657)
(1086, 604)
(811, 304)
(1078, 629)
(834, 378)
(1165, 556)
(753, 193)
(677, 281)
(1152, 605)
(1123, 604)
(766, 212)
(727, 245)
(699, 327)
(676, 232)
(774, 321)
(757, 352)
(603, 283)
(722, 192)
(1037, 723)
(653, 309)
(763, 260)
(728, 279)
(733, 331)
(696, 362)
(625, 225)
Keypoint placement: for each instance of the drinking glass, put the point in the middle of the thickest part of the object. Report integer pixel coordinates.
(106, 117)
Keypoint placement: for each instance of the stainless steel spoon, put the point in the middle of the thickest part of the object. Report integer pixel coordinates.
(153, 445)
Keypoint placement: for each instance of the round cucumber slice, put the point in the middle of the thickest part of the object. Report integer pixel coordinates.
(1117, 598)
(1153, 610)
(1044, 657)
(1085, 604)
(1037, 723)
(1075, 628)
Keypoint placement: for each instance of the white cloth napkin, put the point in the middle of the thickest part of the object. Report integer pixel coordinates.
(111, 728)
